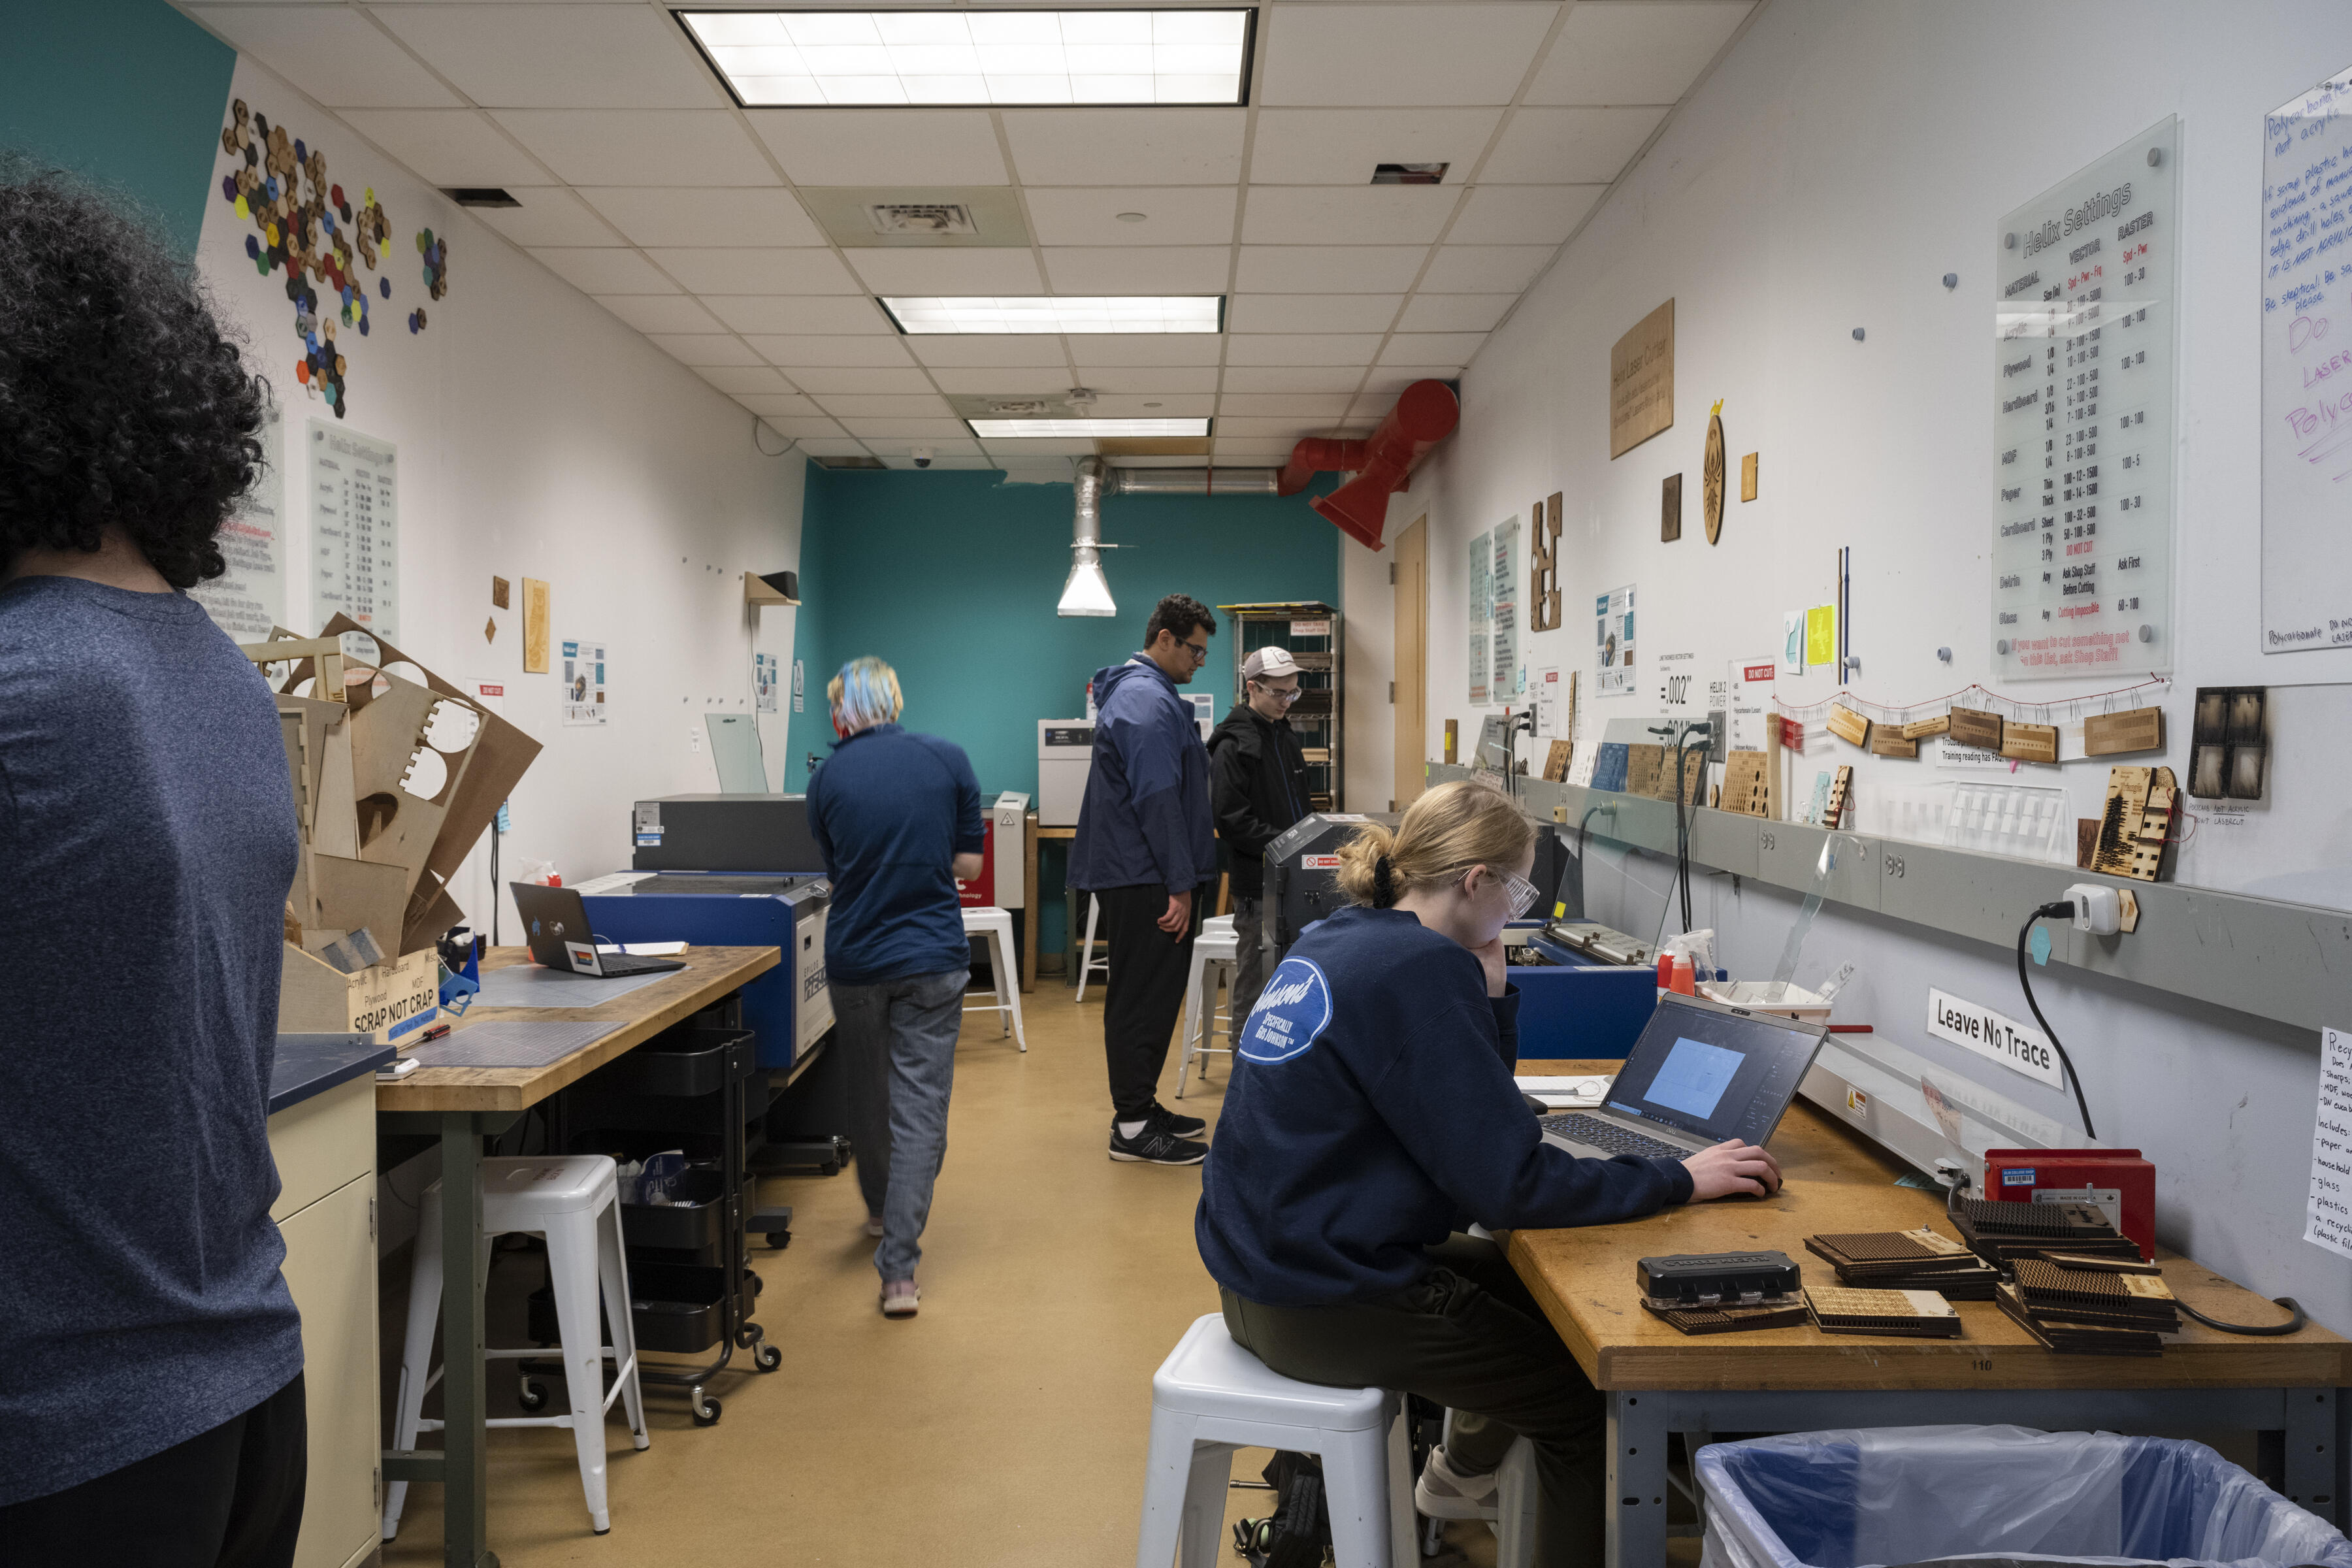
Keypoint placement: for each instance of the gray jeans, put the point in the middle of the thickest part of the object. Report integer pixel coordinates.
(898, 1040)
(1249, 963)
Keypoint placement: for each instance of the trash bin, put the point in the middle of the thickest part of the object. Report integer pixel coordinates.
(1916, 1495)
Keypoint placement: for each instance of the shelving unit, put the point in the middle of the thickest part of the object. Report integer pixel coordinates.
(1311, 631)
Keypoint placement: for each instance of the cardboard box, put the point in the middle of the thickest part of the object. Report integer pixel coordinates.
(389, 1003)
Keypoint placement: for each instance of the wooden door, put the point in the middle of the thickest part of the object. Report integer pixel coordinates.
(1411, 571)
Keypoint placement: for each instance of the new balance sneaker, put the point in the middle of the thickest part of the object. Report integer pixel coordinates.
(1155, 1145)
(1443, 1493)
(1170, 1121)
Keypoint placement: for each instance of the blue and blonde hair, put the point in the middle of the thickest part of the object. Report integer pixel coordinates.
(864, 694)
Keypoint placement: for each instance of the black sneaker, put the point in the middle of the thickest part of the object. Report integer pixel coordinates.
(1168, 1121)
(1157, 1146)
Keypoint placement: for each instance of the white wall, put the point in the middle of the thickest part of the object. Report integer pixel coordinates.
(538, 436)
(1843, 158)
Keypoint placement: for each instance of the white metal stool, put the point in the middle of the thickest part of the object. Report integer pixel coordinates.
(1514, 1523)
(997, 926)
(1216, 952)
(1087, 962)
(1210, 1396)
(574, 1202)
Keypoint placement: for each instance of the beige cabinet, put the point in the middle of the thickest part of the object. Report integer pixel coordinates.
(325, 1149)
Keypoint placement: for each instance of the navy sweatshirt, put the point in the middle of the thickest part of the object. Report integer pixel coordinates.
(1145, 818)
(1376, 1111)
(890, 810)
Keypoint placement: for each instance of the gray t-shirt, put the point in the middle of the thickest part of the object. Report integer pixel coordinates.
(147, 842)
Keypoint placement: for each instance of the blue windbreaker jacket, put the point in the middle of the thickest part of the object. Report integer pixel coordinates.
(1145, 818)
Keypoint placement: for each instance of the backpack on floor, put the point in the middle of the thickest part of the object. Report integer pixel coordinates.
(1300, 1532)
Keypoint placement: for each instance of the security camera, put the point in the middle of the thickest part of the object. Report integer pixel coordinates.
(922, 457)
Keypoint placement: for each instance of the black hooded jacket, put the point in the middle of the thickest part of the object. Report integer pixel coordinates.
(1257, 787)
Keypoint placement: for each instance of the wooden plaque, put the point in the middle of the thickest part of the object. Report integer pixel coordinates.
(1886, 740)
(1644, 764)
(1669, 508)
(1543, 567)
(1711, 481)
(1556, 763)
(2029, 742)
(1748, 477)
(1922, 728)
(1641, 382)
(1747, 784)
(2141, 730)
(1849, 726)
(534, 625)
(1972, 727)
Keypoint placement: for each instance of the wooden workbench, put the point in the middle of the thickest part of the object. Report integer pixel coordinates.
(461, 1106)
(1786, 1379)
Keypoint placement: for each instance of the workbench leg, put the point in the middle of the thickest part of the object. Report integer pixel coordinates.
(1029, 903)
(1637, 1482)
(2311, 1452)
(464, 1389)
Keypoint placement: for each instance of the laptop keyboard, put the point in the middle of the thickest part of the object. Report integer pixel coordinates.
(1609, 1138)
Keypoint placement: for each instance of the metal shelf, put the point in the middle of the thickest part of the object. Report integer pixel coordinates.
(1316, 717)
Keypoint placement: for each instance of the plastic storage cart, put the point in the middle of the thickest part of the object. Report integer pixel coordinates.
(1925, 1494)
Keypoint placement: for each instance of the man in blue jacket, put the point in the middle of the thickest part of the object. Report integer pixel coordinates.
(1145, 850)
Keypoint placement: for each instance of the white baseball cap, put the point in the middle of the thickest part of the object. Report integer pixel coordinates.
(1269, 662)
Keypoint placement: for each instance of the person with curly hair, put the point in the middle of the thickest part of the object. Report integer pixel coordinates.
(150, 1359)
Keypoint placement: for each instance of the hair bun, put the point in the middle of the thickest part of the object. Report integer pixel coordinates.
(1383, 883)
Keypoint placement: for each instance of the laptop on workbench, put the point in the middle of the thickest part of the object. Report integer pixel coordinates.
(560, 937)
(1701, 1074)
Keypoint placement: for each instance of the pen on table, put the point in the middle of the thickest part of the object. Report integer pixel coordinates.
(435, 1033)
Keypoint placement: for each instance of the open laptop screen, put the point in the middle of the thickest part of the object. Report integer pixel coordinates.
(1713, 1074)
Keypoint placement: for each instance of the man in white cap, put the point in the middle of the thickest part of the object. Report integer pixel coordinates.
(1257, 784)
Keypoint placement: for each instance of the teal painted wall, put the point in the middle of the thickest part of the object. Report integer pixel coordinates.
(127, 93)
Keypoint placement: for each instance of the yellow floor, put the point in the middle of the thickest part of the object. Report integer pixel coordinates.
(1006, 1424)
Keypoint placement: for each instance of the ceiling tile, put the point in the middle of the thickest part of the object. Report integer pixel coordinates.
(755, 270)
(788, 313)
(1145, 348)
(1484, 268)
(1312, 312)
(1567, 146)
(738, 380)
(938, 429)
(799, 349)
(1342, 146)
(1329, 269)
(1303, 348)
(1387, 55)
(1283, 404)
(332, 53)
(1157, 405)
(1272, 428)
(989, 349)
(606, 271)
(700, 350)
(894, 452)
(1432, 348)
(559, 56)
(659, 313)
(782, 405)
(818, 381)
(847, 446)
(1291, 378)
(1172, 215)
(1522, 215)
(1006, 381)
(883, 146)
(1140, 269)
(549, 215)
(887, 405)
(1634, 54)
(1346, 215)
(967, 271)
(1142, 379)
(790, 427)
(641, 146)
(686, 216)
(448, 146)
(1455, 313)
(1127, 146)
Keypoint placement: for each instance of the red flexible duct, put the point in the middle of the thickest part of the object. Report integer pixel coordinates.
(1425, 415)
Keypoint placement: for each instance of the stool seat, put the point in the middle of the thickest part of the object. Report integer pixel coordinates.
(515, 1191)
(996, 925)
(1217, 944)
(1208, 1374)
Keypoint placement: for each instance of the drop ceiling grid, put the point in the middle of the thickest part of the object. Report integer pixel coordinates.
(1652, 43)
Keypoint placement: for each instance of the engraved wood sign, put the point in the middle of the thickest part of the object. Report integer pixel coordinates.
(1748, 477)
(1971, 727)
(1711, 477)
(2141, 730)
(2029, 742)
(1543, 566)
(1641, 382)
(1849, 726)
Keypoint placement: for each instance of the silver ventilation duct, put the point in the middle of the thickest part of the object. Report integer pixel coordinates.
(1087, 591)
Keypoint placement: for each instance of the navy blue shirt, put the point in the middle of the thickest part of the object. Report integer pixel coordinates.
(1144, 821)
(147, 830)
(1376, 1114)
(890, 810)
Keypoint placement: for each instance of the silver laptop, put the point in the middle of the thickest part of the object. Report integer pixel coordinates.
(1700, 1074)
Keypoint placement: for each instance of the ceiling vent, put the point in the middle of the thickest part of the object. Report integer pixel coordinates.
(1410, 173)
(1035, 407)
(479, 197)
(922, 217)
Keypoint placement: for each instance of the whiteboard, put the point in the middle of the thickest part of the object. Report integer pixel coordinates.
(2086, 275)
(2307, 218)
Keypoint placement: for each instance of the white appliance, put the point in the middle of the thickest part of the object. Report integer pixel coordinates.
(1066, 754)
(1008, 849)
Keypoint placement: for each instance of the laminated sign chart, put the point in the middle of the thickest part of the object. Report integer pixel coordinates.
(354, 528)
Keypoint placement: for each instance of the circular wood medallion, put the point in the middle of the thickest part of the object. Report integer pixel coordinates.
(1712, 483)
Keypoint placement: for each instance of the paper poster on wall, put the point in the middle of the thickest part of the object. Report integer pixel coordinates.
(354, 528)
(2082, 297)
(1503, 595)
(1546, 694)
(1612, 639)
(249, 598)
(2328, 1220)
(1821, 636)
(1751, 701)
(763, 681)
(1482, 612)
(2306, 372)
(1793, 642)
(800, 688)
(583, 683)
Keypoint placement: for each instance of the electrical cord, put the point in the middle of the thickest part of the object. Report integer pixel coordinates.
(2063, 906)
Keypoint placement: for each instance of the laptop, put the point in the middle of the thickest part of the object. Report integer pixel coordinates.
(558, 923)
(1701, 1074)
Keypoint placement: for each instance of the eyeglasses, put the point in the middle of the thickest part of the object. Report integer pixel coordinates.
(1199, 650)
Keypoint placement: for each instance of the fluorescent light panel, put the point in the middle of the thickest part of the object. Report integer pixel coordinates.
(787, 58)
(926, 314)
(1084, 429)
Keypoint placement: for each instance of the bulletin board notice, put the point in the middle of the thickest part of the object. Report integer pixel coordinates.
(354, 528)
(2085, 283)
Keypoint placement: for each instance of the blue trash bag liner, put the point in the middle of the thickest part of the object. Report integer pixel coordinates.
(1911, 1495)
